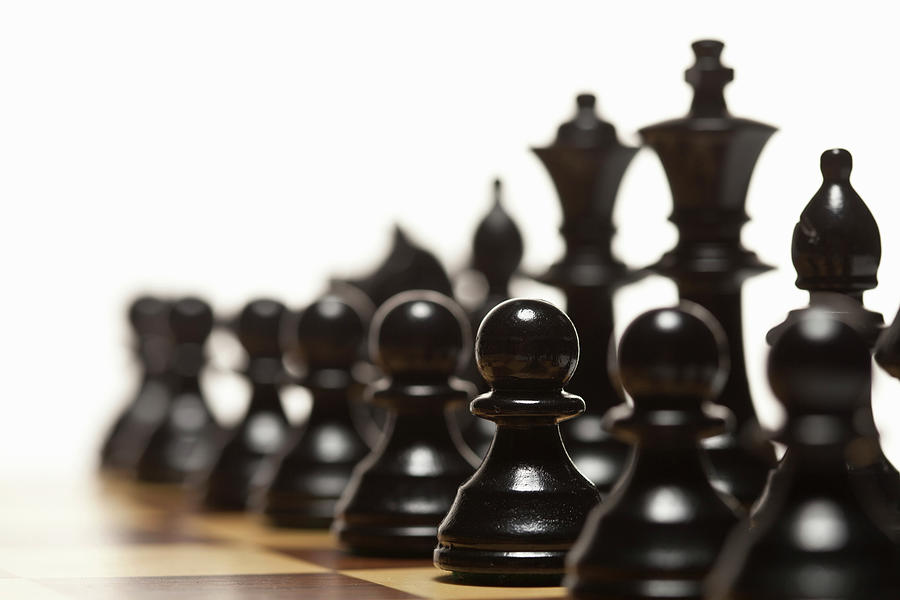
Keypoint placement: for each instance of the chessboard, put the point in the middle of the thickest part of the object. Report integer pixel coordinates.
(111, 539)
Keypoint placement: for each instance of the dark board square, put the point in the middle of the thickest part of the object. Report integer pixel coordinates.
(308, 586)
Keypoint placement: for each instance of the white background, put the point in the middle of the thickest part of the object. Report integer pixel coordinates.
(232, 149)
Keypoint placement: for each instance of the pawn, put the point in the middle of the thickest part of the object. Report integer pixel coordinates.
(659, 531)
(815, 535)
(128, 437)
(185, 443)
(243, 467)
(317, 467)
(496, 253)
(506, 525)
(398, 494)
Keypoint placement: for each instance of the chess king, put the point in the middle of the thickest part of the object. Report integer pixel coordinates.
(709, 157)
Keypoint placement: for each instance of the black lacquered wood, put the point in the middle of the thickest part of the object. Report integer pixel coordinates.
(126, 440)
(586, 163)
(188, 439)
(398, 494)
(244, 467)
(514, 520)
(836, 250)
(660, 530)
(815, 534)
(317, 467)
(709, 156)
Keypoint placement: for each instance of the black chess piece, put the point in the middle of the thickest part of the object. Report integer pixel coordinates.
(318, 465)
(244, 466)
(186, 442)
(586, 163)
(659, 532)
(506, 526)
(406, 267)
(496, 253)
(836, 250)
(887, 355)
(398, 495)
(128, 437)
(708, 157)
(814, 536)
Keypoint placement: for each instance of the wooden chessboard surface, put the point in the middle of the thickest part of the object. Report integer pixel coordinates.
(108, 539)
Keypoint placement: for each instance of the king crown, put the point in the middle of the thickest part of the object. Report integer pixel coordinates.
(708, 76)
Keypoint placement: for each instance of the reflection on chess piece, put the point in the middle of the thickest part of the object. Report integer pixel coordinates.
(586, 163)
(709, 157)
(659, 532)
(244, 466)
(814, 535)
(186, 442)
(398, 495)
(128, 437)
(514, 521)
(317, 467)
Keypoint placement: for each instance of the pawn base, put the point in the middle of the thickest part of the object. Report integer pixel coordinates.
(501, 567)
(406, 541)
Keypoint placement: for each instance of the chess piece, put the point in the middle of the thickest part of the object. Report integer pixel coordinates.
(398, 495)
(317, 467)
(505, 525)
(496, 253)
(406, 267)
(708, 157)
(659, 532)
(836, 250)
(813, 535)
(244, 465)
(186, 442)
(128, 437)
(586, 163)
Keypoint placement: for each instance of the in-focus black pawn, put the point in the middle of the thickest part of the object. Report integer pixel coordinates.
(814, 535)
(496, 253)
(514, 521)
(406, 267)
(659, 532)
(836, 250)
(128, 437)
(398, 495)
(709, 156)
(318, 465)
(187, 441)
(244, 466)
(586, 162)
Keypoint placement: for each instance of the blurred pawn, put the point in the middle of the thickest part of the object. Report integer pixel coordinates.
(244, 466)
(398, 494)
(186, 442)
(815, 535)
(317, 467)
(128, 437)
(660, 530)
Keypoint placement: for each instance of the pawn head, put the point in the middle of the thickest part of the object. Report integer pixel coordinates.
(191, 320)
(329, 332)
(676, 353)
(820, 365)
(258, 327)
(149, 315)
(525, 343)
(419, 332)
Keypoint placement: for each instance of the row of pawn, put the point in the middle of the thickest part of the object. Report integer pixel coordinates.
(527, 516)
